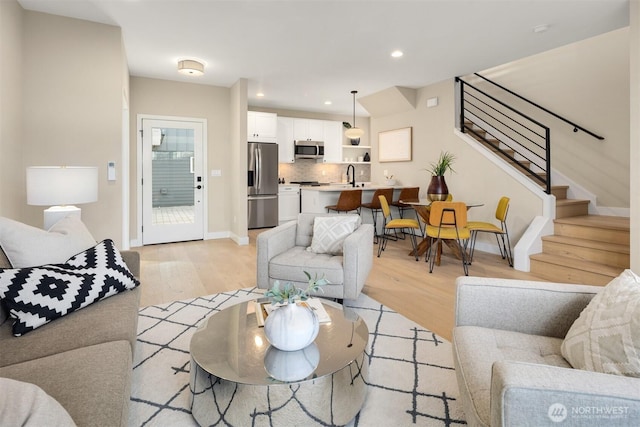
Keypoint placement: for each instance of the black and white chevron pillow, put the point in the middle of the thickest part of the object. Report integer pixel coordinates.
(37, 295)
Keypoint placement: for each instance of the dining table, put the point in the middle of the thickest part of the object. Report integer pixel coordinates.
(422, 208)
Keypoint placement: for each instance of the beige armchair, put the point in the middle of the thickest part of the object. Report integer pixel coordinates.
(510, 370)
(283, 256)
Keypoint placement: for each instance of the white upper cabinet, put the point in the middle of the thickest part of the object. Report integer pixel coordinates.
(286, 152)
(262, 127)
(308, 130)
(332, 142)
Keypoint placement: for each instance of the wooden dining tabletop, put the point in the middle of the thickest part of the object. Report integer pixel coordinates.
(421, 207)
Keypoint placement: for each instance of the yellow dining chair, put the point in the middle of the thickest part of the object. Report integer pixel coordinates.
(501, 233)
(407, 194)
(448, 221)
(395, 224)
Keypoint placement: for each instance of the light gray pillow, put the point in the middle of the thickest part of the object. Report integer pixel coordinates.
(606, 336)
(27, 246)
(25, 404)
(329, 233)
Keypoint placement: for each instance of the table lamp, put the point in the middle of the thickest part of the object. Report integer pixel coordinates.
(61, 187)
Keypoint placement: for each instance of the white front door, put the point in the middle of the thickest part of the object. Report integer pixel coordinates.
(172, 181)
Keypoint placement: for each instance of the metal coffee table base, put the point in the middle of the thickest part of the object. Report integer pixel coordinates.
(329, 400)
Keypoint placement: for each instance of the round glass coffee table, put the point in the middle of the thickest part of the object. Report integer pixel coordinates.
(238, 379)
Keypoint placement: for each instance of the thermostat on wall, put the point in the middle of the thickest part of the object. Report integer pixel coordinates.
(111, 171)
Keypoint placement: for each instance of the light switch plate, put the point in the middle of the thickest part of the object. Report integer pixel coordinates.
(216, 172)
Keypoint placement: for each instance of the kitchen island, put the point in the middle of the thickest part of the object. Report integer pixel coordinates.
(314, 199)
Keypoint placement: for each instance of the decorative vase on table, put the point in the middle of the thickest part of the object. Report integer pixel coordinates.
(437, 190)
(291, 327)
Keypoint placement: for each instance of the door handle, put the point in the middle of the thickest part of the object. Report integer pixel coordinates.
(199, 187)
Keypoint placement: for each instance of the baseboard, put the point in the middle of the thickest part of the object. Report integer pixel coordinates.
(217, 235)
(209, 236)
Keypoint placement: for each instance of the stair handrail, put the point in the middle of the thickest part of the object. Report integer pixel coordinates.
(576, 126)
(493, 98)
(547, 132)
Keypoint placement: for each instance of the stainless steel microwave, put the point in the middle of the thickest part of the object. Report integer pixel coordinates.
(309, 149)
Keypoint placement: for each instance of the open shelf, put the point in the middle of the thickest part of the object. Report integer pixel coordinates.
(356, 146)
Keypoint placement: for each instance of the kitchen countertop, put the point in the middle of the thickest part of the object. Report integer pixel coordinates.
(346, 186)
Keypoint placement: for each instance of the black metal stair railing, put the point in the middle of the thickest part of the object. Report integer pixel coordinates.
(516, 136)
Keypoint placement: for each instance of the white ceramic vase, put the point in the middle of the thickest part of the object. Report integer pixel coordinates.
(291, 327)
(291, 366)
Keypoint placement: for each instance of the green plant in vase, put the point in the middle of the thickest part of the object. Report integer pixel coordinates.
(438, 189)
(290, 293)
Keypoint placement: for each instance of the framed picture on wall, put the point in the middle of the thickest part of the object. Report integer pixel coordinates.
(395, 145)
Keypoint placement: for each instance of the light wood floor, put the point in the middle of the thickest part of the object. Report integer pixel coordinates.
(185, 270)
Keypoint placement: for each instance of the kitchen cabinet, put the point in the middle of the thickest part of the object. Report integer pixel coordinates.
(262, 127)
(288, 202)
(308, 130)
(332, 142)
(286, 152)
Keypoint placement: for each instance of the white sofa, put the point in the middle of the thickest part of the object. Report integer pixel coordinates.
(282, 256)
(507, 354)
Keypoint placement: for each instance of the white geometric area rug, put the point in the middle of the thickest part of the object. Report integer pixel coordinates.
(411, 376)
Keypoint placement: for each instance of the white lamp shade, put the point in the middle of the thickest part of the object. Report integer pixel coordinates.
(61, 185)
(353, 133)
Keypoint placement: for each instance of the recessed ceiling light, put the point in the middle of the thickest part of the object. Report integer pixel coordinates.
(328, 102)
(397, 53)
(260, 95)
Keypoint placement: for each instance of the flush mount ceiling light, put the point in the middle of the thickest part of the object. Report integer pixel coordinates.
(397, 53)
(190, 67)
(354, 132)
(540, 28)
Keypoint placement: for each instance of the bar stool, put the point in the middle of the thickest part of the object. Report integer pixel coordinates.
(375, 206)
(411, 194)
(349, 200)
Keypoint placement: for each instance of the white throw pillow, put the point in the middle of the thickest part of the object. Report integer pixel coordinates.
(606, 336)
(27, 246)
(329, 233)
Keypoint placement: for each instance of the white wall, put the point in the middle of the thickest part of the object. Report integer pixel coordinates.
(237, 206)
(634, 54)
(169, 98)
(72, 115)
(588, 83)
(12, 175)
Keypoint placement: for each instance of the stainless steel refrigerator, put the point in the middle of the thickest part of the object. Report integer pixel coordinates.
(262, 185)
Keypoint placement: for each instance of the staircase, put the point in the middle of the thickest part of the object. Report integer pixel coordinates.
(586, 249)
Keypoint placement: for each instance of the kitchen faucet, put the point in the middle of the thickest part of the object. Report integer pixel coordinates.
(353, 175)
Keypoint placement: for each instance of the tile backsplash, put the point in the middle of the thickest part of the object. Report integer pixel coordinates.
(309, 170)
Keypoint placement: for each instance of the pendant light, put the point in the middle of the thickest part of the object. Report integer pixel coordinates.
(354, 132)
